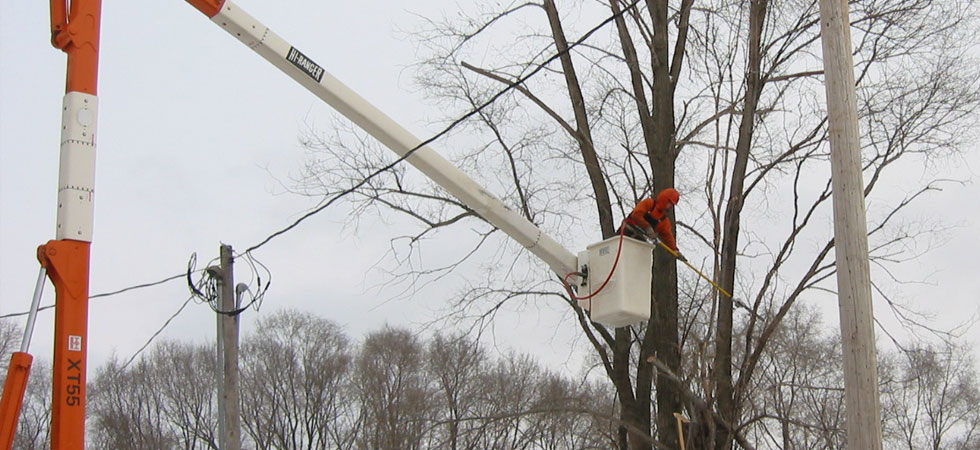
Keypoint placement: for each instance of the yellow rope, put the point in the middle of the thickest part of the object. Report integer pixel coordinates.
(709, 280)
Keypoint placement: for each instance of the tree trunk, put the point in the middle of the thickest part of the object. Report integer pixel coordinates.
(660, 145)
(727, 404)
(657, 124)
(634, 410)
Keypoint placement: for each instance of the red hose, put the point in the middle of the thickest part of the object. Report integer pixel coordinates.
(622, 232)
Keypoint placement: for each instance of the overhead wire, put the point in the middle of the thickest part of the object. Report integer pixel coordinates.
(103, 295)
(137, 286)
(150, 340)
(195, 293)
(519, 81)
(195, 288)
(120, 291)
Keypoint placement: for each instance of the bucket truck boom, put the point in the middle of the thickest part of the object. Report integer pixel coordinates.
(625, 292)
(321, 83)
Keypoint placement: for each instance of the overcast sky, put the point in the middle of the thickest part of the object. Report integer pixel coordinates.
(196, 132)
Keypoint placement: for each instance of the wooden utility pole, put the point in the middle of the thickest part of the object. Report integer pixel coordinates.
(229, 398)
(850, 232)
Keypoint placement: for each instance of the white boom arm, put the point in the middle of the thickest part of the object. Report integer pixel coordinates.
(313, 77)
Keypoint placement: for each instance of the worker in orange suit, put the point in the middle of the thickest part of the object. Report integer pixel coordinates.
(649, 219)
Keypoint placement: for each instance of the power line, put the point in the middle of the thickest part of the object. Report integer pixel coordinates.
(106, 294)
(446, 130)
(8, 316)
(120, 291)
(165, 325)
(138, 286)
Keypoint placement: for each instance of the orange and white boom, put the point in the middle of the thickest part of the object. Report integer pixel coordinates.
(67, 257)
(313, 77)
(74, 30)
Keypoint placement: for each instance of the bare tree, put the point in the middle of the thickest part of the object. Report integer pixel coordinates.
(720, 99)
(894, 104)
(163, 400)
(185, 374)
(797, 398)
(393, 390)
(565, 421)
(929, 392)
(511, 402)
(932, 397)
(450, 393)
(305, 387)
(456, 364)
(127, 410)
(509, 386)
(296, 386)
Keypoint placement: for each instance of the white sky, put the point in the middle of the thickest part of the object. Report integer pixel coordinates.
(194, 131)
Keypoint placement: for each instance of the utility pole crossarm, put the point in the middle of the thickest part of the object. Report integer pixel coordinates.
(313, 77)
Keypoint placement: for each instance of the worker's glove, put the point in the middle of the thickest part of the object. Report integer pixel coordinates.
(651, 235)
(635, 230)
(681, 257)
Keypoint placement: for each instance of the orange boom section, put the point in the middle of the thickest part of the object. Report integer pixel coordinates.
(13, 396)
(210, 8)
(67, 264)
(77, 33)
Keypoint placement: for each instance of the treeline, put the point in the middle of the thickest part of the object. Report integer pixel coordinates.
(929, 391)
(307, 385)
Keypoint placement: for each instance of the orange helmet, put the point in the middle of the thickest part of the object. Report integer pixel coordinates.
(670, 195)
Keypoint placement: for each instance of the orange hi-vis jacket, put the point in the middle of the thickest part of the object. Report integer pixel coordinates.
(652, 213)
